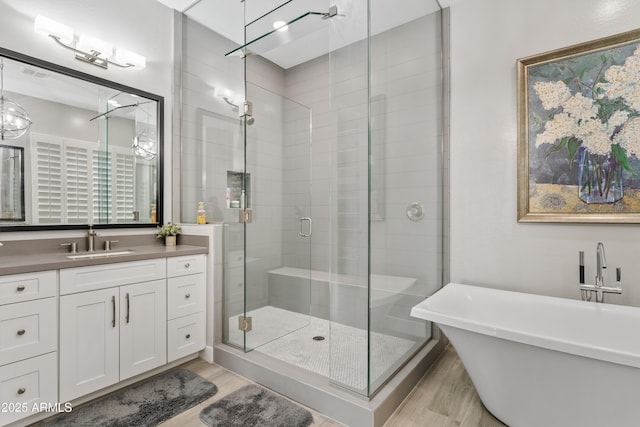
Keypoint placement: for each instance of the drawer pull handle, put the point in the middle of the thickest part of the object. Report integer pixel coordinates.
(21, 331)
(187, 265)
(20, 288)
(128, 308)
(187, 296)
(113, 313)
(187, 336)
(22, 390)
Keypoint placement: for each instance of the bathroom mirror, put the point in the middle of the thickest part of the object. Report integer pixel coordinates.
(92, 155)
(11, 183)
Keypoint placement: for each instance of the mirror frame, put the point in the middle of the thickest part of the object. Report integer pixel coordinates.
(16, 56)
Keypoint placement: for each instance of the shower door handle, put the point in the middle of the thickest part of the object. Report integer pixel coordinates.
(302, 233)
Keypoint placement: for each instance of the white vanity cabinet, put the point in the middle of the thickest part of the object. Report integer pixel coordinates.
(186, 305)
(28, 343)
(112, 324)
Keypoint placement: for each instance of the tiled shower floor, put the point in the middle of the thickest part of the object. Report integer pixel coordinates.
(341, 356)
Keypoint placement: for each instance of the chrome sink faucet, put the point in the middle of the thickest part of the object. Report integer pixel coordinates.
(598, 287)
(90, 238)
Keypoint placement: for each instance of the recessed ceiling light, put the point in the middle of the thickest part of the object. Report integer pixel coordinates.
(280, 26)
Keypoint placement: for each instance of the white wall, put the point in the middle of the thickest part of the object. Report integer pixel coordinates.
(142, 26)
(488, 246)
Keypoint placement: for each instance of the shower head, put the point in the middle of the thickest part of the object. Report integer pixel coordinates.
(234, 107)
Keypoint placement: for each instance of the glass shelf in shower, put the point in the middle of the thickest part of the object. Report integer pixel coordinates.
(313, 21)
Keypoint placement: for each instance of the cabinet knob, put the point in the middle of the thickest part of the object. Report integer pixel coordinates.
(22, 390)
(187, 296)
(21, 331)
(20, 288)
(187, 265)
(187, 336)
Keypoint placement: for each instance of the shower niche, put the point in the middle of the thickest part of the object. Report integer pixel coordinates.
(238, 190)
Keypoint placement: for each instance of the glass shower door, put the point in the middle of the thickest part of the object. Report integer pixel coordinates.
(275, 204)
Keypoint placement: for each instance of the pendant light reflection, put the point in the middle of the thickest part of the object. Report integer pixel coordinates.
(14, 120)
(145, 142)
(144, 145)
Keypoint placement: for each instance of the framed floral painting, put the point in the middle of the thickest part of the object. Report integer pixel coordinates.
(579, 133)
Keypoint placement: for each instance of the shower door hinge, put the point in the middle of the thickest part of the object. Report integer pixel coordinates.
(245, 216)
(333, 11)
(244, 323)
(245, 109)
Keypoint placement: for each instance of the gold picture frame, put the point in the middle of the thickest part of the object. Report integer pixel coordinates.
(579, 133)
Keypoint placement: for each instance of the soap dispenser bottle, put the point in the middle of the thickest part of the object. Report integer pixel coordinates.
(201, 215)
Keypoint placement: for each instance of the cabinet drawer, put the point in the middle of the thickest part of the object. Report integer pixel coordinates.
(185, 295)
(27, 383)
(28, 286)
(185, 336)
(95, 277)
(27, 329)
(190, 264)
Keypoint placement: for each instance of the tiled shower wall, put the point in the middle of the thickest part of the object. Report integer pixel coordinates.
(406, 141)
(406, 149)
(213, 144)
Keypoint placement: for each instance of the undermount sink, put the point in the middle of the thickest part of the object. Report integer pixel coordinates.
(92, 255)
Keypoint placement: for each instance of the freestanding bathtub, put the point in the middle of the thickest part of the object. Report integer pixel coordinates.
(541, 361)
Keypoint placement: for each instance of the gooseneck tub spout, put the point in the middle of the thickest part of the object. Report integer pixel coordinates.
(601, 262)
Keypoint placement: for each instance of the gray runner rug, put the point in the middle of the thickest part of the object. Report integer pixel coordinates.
(253, 405)
(142, 405)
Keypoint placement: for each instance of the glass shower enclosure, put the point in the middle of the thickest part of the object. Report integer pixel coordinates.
(324, 160)
(274, 229)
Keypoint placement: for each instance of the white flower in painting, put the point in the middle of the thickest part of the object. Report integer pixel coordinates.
(622, 81)
(617, 119)
(595, 136)
(552, 94)
(560, 126)
(629, 136)
(579, 119)
(580, 108)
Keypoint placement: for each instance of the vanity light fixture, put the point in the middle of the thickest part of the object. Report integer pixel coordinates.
(88, 49)
(14, 120)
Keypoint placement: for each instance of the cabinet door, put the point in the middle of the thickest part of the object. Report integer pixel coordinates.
(88, 342)
(143, 327)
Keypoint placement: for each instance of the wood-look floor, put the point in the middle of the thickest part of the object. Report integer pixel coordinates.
(445, 397)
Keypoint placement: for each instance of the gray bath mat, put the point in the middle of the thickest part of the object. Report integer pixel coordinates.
(146, 404)
(253, 405)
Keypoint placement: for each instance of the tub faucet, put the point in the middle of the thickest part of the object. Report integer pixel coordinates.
(601, 262)
(599, 288)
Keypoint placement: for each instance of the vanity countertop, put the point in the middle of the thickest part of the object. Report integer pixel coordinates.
(16, 263)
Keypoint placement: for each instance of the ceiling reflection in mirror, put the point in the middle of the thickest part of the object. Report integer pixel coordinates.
(91, 155)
